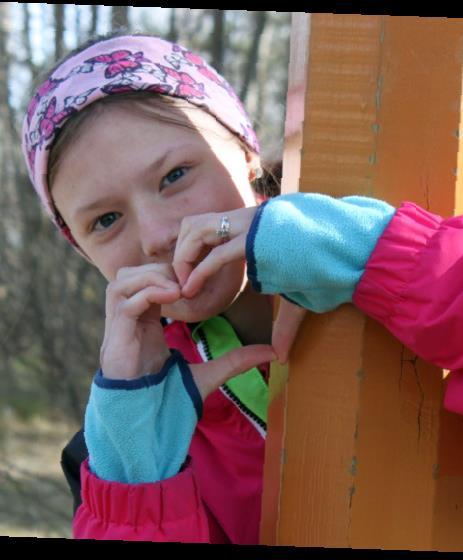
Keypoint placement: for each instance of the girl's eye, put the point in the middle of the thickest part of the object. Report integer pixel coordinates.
(105, 221)
(173, 176)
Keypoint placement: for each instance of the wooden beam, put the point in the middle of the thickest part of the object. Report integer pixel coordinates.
(360, 453)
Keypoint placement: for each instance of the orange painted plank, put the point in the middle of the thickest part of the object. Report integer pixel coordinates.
(274, 451)
(370, 458)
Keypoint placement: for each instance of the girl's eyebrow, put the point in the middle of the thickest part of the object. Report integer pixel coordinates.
(152, 167)
(81, 210)
(159, 162)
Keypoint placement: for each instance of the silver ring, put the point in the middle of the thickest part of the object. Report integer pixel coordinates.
(224, 230)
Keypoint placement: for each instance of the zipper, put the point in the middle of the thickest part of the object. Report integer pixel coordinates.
(242, 407)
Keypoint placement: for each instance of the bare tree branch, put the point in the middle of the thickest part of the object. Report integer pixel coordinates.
(78, 24)
(260, 19)
(218, 39)
(27, 41)
(94, 24)
(173, 31)
(59, 30)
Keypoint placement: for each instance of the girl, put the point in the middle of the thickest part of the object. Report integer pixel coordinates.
(123, 140)
(144, 157)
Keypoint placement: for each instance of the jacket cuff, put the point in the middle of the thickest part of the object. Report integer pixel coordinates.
(169, 510)
(313, 248)
(393, 265)
(250, 254)
(150, 380)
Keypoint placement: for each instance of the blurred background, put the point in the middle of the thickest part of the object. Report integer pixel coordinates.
(51, 300)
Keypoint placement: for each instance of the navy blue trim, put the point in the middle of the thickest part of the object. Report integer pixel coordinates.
(190, 386)
(291, 300)
(140, 382)
(186, 464)
(250, 256)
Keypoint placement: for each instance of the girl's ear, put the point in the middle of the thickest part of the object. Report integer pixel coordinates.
(254, 166)
(255, 172)
(252, 158)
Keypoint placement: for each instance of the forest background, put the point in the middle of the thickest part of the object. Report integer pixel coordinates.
(51, 300)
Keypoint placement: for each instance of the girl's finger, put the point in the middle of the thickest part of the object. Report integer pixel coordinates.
(131, 280)
(162, 269)
(198, 234)
(129, 285)
(196, 237)
(211, 375)
(285, 328)
(216, 259)
(182, 271)
(134, 306)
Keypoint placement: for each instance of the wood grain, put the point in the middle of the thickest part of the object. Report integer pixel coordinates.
(360, 453)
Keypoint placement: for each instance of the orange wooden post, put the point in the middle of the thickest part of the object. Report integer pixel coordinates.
(360, 452)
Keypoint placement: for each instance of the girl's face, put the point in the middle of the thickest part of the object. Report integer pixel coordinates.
(127, 181)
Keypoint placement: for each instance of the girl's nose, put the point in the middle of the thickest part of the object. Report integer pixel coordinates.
(157, 233)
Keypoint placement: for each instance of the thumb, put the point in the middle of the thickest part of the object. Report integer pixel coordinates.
(211, 375)
(285, 328)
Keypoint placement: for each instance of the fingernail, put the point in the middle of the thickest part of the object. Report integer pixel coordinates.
(169, 285)
(182, 277)
(185, 294)
(186, 290)
(167, 282)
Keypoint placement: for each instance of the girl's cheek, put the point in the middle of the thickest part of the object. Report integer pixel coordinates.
(110, 260)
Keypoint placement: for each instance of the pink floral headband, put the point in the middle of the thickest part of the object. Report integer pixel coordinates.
(120, 65)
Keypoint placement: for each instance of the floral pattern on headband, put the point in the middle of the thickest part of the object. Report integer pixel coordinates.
(127, 66)
(44, 90)
(207, 71)
(119, 62)
(193, 59)
(152, 65)
(187, 86)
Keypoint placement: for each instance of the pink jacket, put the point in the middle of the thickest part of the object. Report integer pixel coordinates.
(412, 284)
(214, 499)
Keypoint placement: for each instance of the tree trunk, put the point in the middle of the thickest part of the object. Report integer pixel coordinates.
(262, 77)
(6, 109)
(4, 58)
(260, 19)
(78, 24)
(4, 117)
(27, 41)
(11, 220)
(173, 32)
(94, 24)
(119, 17)
(218, 40)
(59, 30)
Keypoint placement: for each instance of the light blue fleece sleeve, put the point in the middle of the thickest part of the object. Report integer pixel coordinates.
(140, 430)
(313, 248)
